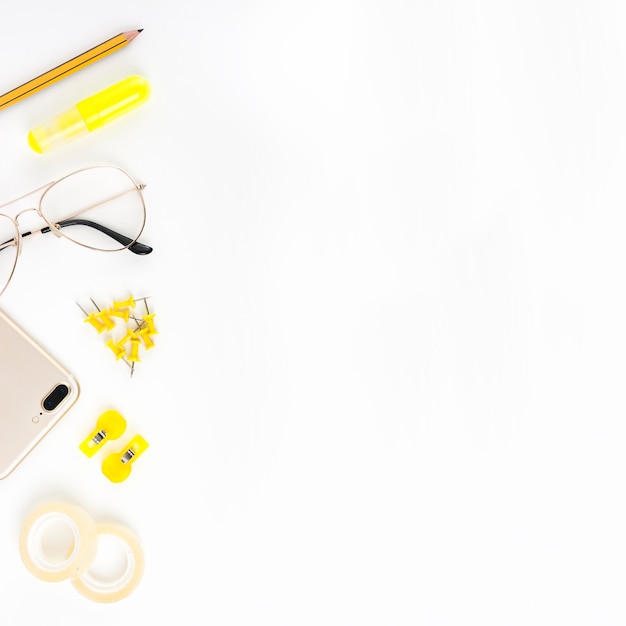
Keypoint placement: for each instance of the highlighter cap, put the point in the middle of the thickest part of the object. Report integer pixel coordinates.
(90, 114)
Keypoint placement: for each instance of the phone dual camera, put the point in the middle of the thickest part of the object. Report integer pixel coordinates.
(55, 397)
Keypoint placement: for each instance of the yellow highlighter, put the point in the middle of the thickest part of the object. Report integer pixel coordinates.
(90, 114)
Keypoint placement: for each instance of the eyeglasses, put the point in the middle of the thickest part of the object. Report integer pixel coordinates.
(100, 208)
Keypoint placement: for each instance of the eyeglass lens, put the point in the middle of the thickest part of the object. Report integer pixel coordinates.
(92, 205)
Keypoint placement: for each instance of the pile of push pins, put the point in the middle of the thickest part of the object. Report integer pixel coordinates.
(135, 331)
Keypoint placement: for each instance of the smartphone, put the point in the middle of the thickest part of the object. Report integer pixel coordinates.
(35, 392)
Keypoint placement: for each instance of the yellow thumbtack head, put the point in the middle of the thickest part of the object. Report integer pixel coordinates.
(149, 319)
(103, 316)
(133, 355)
(117, 350)
(121, 313)
(147, 339)
(124, 303)
(110, 425)
(126, 338)
(92, 319)
(95, 322)
(118, 466)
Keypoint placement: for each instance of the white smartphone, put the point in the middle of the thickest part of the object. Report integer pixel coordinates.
(35, 392)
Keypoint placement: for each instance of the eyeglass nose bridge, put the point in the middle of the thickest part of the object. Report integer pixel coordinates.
(31, 232)
(54, 230)
(18, 215)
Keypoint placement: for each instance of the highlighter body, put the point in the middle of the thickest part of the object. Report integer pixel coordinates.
(90, 114)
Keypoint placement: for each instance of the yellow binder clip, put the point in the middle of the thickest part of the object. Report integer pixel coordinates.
(118, 466)
(110, 425)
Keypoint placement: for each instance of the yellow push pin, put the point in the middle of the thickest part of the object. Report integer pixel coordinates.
(121, 313)
(149, 319)
(92, 319)
(133, 355)
(118, 466)
(117, 350)
(110, 425)
(147, 339)
(124, 303)
(126, 338)
(103, 316)
(95, 322)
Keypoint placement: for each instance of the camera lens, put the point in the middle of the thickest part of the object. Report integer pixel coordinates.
(55, 397)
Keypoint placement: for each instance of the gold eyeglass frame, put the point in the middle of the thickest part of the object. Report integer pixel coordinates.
(56, 229)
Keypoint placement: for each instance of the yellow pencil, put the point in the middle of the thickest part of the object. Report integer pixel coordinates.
(67, 68)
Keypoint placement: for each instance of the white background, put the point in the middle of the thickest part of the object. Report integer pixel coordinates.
(389, 283)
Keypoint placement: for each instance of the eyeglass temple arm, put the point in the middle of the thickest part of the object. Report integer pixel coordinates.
(136, 247)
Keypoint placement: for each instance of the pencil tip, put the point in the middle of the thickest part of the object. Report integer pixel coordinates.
(131, 34)
(139, 30)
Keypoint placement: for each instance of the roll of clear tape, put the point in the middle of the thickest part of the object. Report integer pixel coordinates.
(100, 590)
(40, 528)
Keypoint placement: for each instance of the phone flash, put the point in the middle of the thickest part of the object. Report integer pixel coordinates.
(36, 420)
